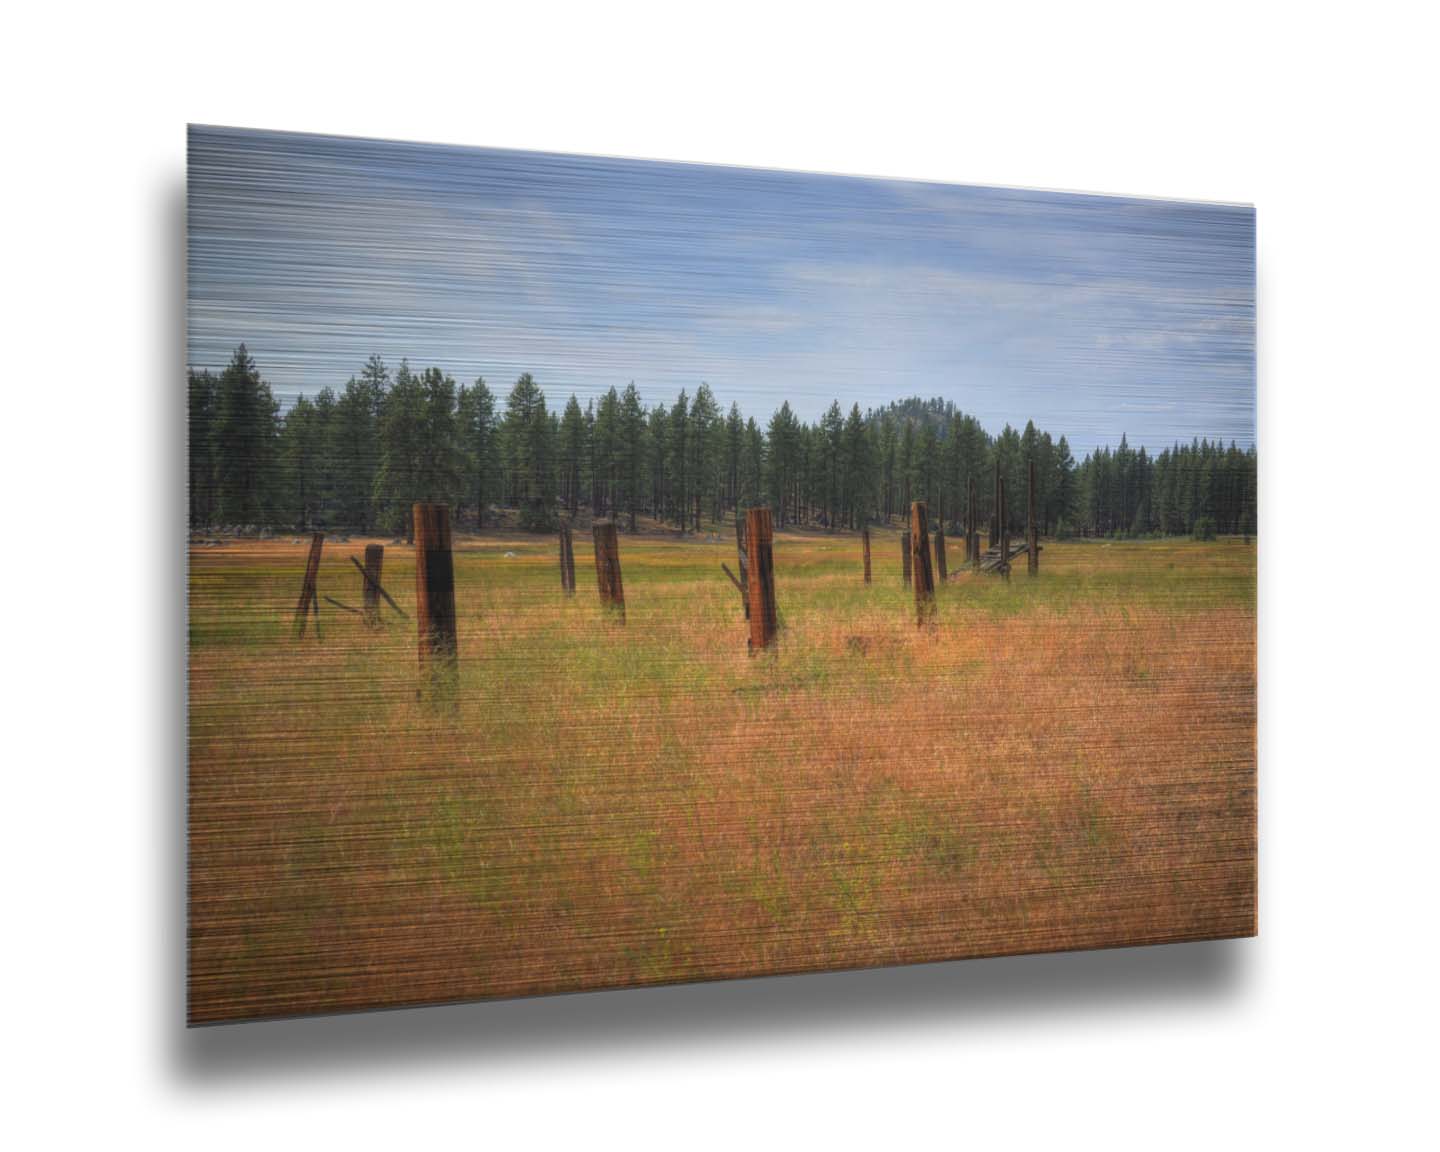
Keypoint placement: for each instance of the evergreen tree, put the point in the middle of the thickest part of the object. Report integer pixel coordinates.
(572, 454)
(475, 420)
(247, 436)
(203, 402)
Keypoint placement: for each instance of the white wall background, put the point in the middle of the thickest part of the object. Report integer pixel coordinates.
(1322, 1029)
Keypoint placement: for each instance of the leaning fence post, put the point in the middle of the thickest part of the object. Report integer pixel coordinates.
(924, 576)
(435, 601)
(374, 562)
(761, 572)
(307, 589)
(743, 559)
(865, 540)
(905, 557)
(607, 568)
(940, 573)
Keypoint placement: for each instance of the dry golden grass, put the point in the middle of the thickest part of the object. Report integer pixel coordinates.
(1064, 762)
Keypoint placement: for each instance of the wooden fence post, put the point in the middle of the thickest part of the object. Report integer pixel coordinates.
(905, 557)
(744, 560)
(865, 540)
(761, 573)
(435, 602)
(567, 560)
(308, 599)
(940, 574)
(924, 575)
(1032, 529)
(607, 568)
(370, 581)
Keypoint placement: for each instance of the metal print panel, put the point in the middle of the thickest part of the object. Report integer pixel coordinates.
(606, 572)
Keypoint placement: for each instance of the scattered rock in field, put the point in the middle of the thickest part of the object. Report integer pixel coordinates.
(511, 555)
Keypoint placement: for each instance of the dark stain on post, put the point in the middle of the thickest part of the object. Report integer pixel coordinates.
(370, 583)
(761, 572)
(607, 568)
(435, 602)
(924, 575)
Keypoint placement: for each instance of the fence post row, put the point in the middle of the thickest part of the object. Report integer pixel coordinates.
(905, 558)
(761, 573)
(865, 540)
(308, 600)
(940, 574)
(435, 602)
(607, 568)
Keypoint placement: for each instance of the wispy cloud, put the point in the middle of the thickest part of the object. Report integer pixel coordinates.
(1092, 315)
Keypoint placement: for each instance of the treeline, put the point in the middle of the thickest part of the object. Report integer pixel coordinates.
(356, 460)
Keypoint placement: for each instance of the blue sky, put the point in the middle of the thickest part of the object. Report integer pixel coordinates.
(1094, 316)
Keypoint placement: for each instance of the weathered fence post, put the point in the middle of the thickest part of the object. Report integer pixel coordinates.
(308, 600)
(1032, 529)
(905, 557)
(567, 560)
(370, 579)
(744, 560)
(924, 575)
(435, 602)
(607, 568)
(761, 573)
(940, 573)
(865, 540)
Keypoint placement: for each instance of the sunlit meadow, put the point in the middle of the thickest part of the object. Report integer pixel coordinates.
(1064, 761)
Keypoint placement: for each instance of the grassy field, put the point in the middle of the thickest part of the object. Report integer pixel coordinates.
(1062, 762)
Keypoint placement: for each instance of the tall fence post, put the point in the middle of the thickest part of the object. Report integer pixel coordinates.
(435, 602)
(567, 560)
(924, 575)
(940, 573)
(744, 560)
(905, 557)
(308, 600)
(865, 541)
(1032, 529)
(761, 574)
(607, 568)
(374, 562)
